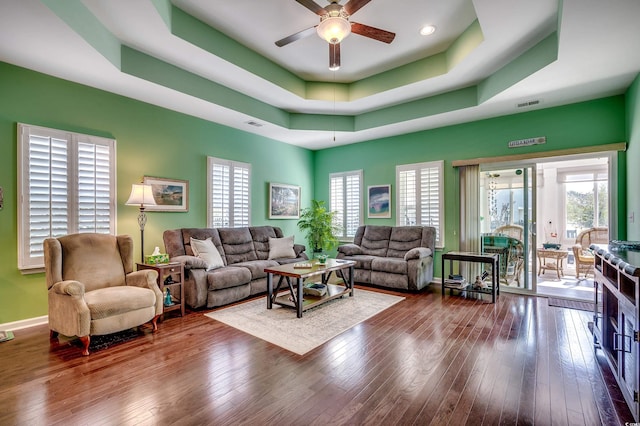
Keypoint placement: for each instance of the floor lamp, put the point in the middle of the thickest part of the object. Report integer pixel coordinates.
(141, 195)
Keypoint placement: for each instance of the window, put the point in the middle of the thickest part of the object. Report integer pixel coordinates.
(419, 196)
(345, 195)
(228, 193)
(66, 185)
(586, 198)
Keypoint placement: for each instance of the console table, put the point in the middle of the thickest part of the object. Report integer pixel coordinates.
(616, 326)
(492, 259)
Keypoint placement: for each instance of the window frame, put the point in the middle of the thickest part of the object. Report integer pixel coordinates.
(213, 161)
(418, 168)
(27, 262)
(345, 217)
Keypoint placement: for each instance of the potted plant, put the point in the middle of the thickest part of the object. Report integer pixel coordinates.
(318, 224)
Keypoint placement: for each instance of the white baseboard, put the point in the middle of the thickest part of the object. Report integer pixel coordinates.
(26, 323)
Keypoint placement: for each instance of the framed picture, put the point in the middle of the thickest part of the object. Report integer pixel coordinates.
(379, 202)
(284, 201)
(171, 195)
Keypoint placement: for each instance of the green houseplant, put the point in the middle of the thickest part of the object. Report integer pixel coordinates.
(318, 224)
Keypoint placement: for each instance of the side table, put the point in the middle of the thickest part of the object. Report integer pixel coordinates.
(551, 260)
(171, 276)
(491, 259)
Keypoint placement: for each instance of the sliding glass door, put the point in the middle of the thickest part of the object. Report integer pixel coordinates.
(507, 222)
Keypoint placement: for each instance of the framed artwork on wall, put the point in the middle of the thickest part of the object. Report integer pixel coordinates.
(379, 202)
(171, 195)
(284, 201)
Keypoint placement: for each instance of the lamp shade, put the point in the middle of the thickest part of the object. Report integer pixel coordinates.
(141, 195)
(334, 29)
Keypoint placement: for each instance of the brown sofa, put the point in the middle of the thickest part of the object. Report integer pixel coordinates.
(245, 255)
(399, 257)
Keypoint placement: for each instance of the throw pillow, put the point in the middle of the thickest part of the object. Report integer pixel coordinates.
(207, 251)
(281, 248)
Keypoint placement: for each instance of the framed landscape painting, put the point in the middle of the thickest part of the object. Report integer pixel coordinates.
(171, 195)
(284, 201)
(379, 205)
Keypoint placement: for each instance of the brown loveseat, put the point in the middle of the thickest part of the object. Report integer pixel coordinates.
(244, 253)
(398, 257)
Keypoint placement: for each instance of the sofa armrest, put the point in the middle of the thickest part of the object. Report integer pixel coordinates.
(350, 249)
(190, 262)
(68, 311)
(147, 278)
(68, 288)
(298, 249)
(418, 253)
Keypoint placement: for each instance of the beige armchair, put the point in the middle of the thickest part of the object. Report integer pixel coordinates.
(583, 256)
(93, 289)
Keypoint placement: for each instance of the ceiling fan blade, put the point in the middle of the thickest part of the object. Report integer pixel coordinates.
(354, 5)
(334, 56)
(313, 6)
(372, 32)
(296, 36)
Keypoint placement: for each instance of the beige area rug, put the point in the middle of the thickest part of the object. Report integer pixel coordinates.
(281, 327)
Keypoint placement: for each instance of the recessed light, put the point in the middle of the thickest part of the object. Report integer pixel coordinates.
(428, 30)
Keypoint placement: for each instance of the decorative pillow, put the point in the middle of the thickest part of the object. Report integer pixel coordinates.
(281, 248)
(207, 251)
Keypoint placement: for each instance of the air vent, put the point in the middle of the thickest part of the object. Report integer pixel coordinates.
(528, 103)
(254, 124)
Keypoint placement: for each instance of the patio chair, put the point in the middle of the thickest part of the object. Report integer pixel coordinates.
(584, 257)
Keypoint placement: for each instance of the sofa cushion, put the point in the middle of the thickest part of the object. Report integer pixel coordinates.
(205, 250)
(111, 301)
(403, 239)
(281, 248)
(227, 277)
(237, 244)
(256, 267)
(363, 261)
(392, 265)
(375, 240)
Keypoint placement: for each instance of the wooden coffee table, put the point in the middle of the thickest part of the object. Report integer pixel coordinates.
(294, 275)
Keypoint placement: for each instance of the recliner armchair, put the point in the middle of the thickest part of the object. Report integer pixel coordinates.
(93, 289)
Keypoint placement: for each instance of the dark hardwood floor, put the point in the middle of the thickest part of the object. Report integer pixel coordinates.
(426, 360)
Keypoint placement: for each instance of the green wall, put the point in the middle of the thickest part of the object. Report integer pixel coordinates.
(157, 142)
(585, 124)
(633, 159)
(151, 141)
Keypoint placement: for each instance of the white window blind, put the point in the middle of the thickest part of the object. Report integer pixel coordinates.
(420, 196)
(345, 195)
(229, 193)
(66, 185)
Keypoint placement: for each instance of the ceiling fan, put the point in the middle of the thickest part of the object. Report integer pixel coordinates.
(334, 26)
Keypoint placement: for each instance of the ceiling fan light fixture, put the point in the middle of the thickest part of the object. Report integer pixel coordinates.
(334, 29)
(428, 30)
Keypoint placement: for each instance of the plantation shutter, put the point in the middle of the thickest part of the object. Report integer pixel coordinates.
(352, 203)
(66, 186)
(240, 197)
(344, 199)
(420, 197)
(229, 193)
(94, 188)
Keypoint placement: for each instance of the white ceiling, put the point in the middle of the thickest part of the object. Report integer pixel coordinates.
(597, 55)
